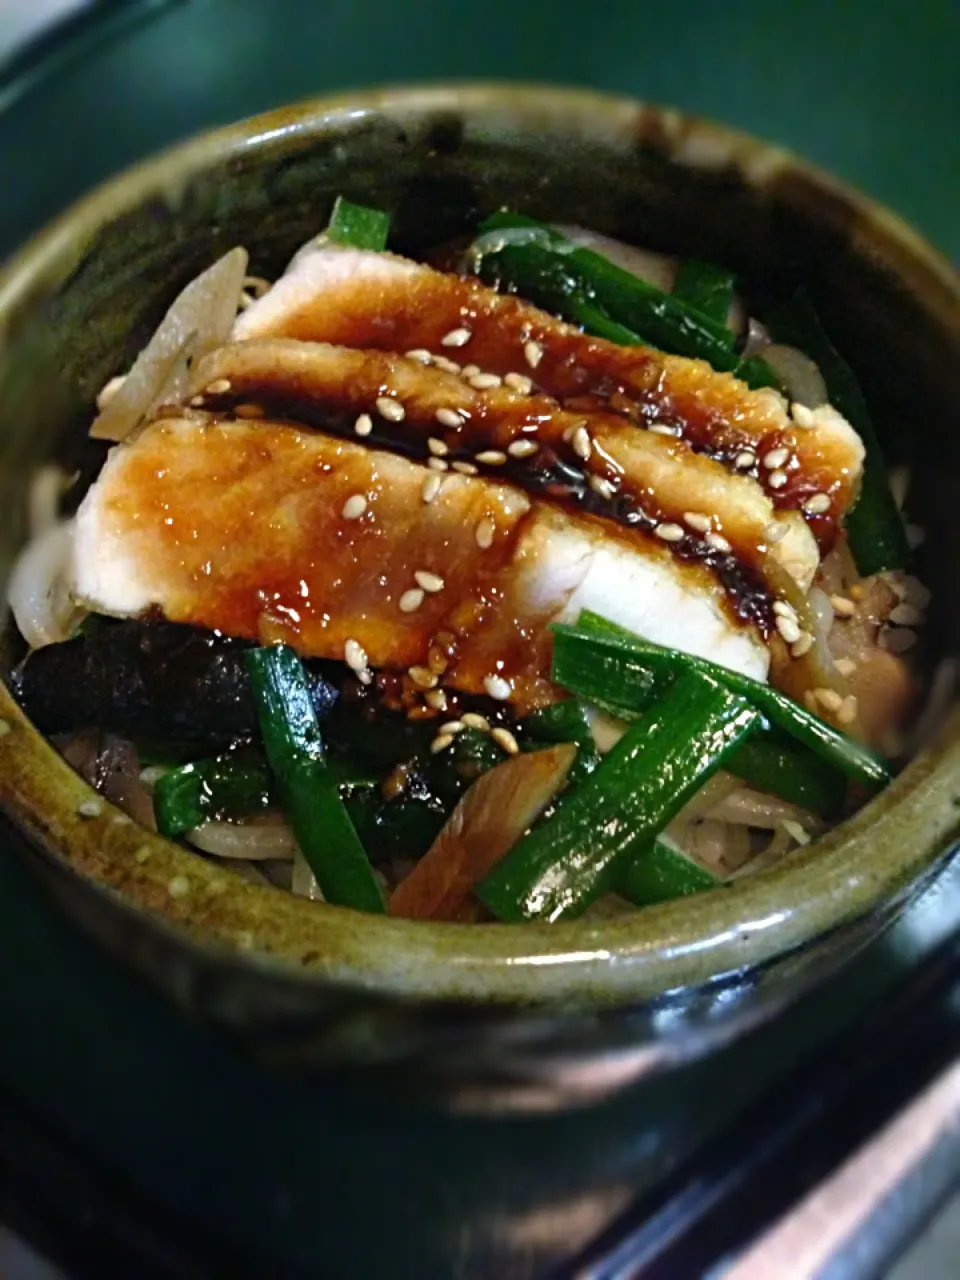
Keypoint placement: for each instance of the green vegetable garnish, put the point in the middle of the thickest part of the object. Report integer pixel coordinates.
(706, 288)
(661, 873)
(565, 722)
(598, 660)
(357, 227)
(565, 863)
(878, 538)
(296, 754)
(234, 785)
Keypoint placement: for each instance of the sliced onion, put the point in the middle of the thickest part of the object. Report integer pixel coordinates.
(758, 338)
(253, 841)
(801, 379)
(304, 883)
(489, 820)
(39, 588)
(656, 268)
(746, 807)
(199, 321)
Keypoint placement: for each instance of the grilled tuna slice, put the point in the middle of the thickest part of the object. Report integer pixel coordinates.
(810, 461)
(264, 531)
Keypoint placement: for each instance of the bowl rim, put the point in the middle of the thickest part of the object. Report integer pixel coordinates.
(855, 868)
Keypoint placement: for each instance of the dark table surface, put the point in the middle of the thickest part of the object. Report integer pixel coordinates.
(312, 1179)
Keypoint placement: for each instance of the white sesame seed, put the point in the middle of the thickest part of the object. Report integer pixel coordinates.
(363, 425)
(801, 415)
(195, 401)
(354, 507)
(446, 364)
(485, 381)
(465, 468)
(897, 639)
(829, 699)
(743, 461)
(532, 353)
(423, 677)
(420, 354)
(449, 418)
(437, 447)
(484, 533)
(915, 536)
(664, 429)
(696, 520)
(784, 609)
(90, 808)
(365, 676)
(777, 479)
(817, 504)
(847, 711)
(456, 338)
(497, 687)
(522, 448)
(519, 382)
(492, 458)
(354, 655)
(411, 600)
(789, 629)
(803, 645)
(473, 720)
(250, 411)
(775, 458)
(469, 371)
(916, 593)
(505, 739)
(602, 487)
(436, 699)
(669, 532)
(431, 487)
(775, 532)
(438, 464)
(905, 615)
(390, 409)
(218, 388)
(843, 607)
(582, 444)
(441, 743)
(429, 581)
(452, 726)
(178, 887)
(5, 728)
(717, 541)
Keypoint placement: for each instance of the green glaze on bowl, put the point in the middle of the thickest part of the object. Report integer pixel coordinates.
(77, 303)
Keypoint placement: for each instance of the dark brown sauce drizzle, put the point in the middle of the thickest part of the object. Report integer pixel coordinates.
(747, 598)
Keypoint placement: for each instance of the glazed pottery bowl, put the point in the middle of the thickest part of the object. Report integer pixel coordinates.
(573, 1007)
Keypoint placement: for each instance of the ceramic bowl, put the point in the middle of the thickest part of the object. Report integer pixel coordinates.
(560, 1011)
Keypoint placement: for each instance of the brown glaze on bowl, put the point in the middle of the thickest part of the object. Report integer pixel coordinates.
(582, 1005)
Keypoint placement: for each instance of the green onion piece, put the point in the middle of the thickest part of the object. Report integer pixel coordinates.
(875, 526)
(357, 227)
(545, 266)
(774, 762)
(234, 785)
(565, 863)
(661, 873)
(756, 373)
(625, 658)
(295, 751)
(707, 288)
(565, 722)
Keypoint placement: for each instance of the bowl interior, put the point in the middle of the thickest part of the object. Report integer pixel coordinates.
(80, 301)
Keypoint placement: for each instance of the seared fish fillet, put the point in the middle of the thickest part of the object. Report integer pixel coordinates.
(653, 484)
(810, 462)
(265, 531)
